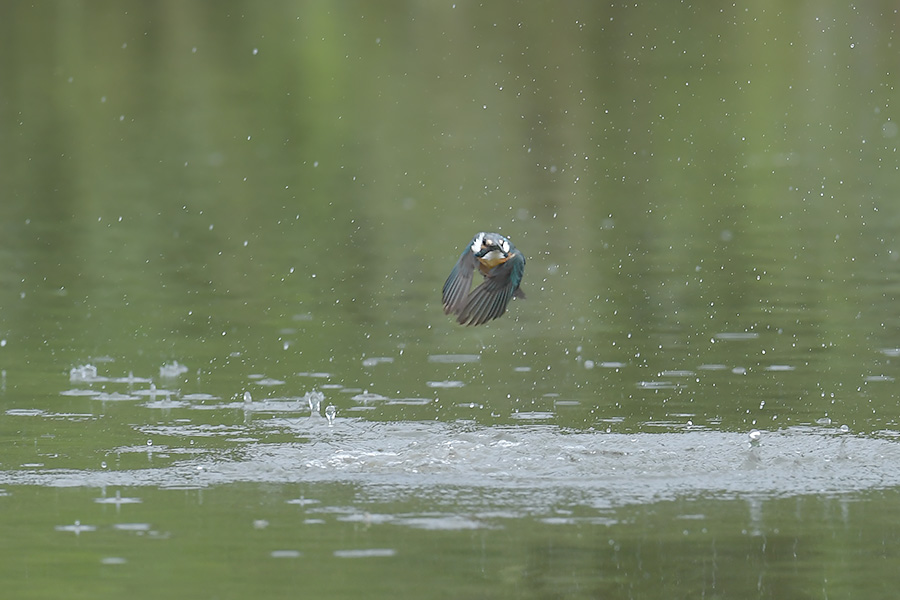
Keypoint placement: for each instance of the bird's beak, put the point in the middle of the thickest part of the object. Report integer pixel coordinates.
(487, 248)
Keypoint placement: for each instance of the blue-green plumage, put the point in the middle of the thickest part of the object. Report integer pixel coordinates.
(502, 266)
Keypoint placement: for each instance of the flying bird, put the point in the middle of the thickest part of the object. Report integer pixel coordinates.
(502, 266)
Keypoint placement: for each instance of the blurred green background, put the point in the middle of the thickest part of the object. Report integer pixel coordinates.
(705, 194)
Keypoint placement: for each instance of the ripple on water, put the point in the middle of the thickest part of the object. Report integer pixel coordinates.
(448, 522)
(410, 401)
(25, 412)
(302, 501)
(736, 335)
(118, 500)
(199, 397)
(534, 415)
(79, 392)
(114, 397)
(368, 396)
(130, 379)
(268, 381)
(317, 375)
(165, 404)
(376, 360)
(656, 385)
(445, 384)
(453, 358)
(132, 527)
(77, 528)
(677, 373)
(462, 468)
(712, 367)
(365, 553)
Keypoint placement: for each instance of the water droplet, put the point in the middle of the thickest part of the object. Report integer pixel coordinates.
(330, 412)
(248, 398)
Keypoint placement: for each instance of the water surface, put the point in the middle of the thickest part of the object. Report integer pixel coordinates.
(222, 222)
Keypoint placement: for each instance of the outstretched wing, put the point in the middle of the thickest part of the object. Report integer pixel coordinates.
(456, 288)
(490, 299)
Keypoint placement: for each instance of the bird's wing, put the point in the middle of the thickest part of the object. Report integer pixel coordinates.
(490, 299)
(456, 288)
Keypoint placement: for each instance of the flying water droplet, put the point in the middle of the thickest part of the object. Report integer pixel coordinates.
(330, 412)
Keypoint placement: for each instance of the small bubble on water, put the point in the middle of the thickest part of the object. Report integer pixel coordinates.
(149, 442)
(754, 436)
(844, 429)
(103, 464)
(330, 412)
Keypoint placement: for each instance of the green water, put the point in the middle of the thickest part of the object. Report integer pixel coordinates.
(272, 195)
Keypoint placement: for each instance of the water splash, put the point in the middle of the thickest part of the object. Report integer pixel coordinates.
(753, 437)
(314, 400)
(330, 412)
(83, 373)
(172, 370)
(76, 528)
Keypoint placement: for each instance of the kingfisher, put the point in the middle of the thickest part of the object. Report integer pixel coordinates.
(502, 266)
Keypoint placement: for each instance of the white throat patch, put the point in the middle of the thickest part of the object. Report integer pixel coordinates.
(493, 256)
(476, 243)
